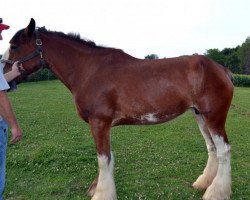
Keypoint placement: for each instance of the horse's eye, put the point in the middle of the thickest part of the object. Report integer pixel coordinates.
(13, 47)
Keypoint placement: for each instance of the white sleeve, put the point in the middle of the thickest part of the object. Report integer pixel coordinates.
(3, 83)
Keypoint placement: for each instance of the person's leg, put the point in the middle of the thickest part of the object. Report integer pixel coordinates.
(3, 147)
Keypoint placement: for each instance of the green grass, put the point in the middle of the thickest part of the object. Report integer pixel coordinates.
(57, 160)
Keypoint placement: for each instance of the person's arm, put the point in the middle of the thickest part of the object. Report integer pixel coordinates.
(7, 113)
(6, 110)
(9, 76)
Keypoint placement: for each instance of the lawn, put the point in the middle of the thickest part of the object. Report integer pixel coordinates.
(57, 160)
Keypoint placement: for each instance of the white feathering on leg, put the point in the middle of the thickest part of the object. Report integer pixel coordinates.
(220, 189)
(204, 180)
(105, 189)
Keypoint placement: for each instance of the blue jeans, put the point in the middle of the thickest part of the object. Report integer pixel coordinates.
(3, 147)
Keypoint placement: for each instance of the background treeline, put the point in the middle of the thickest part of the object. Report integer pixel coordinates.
(236, 59)
(40, 75)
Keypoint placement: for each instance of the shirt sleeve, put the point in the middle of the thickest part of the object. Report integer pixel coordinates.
(3, 83)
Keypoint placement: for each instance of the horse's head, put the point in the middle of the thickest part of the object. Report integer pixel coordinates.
(25, 47)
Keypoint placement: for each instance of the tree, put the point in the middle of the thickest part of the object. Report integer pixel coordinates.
(228, 57)
(233, 63)
(151, 57)
(232, 60)
(216, 55)
(244, 55)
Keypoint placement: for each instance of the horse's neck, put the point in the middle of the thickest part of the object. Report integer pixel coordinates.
(65, 60)
(73, 62)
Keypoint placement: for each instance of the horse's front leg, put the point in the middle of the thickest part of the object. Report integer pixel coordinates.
(103, 188)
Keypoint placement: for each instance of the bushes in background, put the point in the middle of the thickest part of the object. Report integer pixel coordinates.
(241, 80)
(41, 75)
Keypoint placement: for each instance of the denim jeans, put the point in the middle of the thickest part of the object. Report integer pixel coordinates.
(3, 147)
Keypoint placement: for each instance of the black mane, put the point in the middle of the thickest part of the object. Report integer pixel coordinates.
(72, 36)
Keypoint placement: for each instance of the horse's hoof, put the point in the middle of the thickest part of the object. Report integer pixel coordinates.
(92, 188)
(202, 182)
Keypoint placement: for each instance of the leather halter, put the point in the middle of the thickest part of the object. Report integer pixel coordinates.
(38, 52)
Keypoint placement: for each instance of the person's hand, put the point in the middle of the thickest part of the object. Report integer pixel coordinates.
(16, 135)
(17, 68)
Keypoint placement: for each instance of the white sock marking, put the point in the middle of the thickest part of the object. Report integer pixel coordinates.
(210, 170)
(105, 189)
(221, 185)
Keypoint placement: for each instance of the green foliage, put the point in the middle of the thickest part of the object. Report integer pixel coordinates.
(57, 159)
(216, 55)
(41, 75)
(152, 57)
(236, 59)
(241, 80)
(244, 55)
(232, 62)
(228, 57)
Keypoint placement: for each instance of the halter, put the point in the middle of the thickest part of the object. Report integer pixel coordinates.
(38, 52)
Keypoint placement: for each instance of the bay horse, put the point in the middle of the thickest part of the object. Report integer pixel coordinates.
(112, 88)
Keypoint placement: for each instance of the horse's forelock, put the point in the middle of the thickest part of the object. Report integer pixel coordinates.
(16, 37)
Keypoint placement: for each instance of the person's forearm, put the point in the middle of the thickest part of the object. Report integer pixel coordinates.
(6, 110)
(15, 71)
(9, 76)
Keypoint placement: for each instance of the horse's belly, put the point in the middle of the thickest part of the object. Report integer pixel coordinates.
(151, 109)
(146, 119)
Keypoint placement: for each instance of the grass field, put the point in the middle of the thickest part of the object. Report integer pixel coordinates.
(57, 160)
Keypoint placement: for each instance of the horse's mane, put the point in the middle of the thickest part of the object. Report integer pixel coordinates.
(73, 36)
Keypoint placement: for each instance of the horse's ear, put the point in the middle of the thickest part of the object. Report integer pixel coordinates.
(29, 30)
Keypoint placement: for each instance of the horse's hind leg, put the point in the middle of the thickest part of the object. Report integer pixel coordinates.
(210, 170)
(220, 189)
(215, 119)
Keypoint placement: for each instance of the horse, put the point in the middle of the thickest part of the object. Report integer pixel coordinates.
(112, 88)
